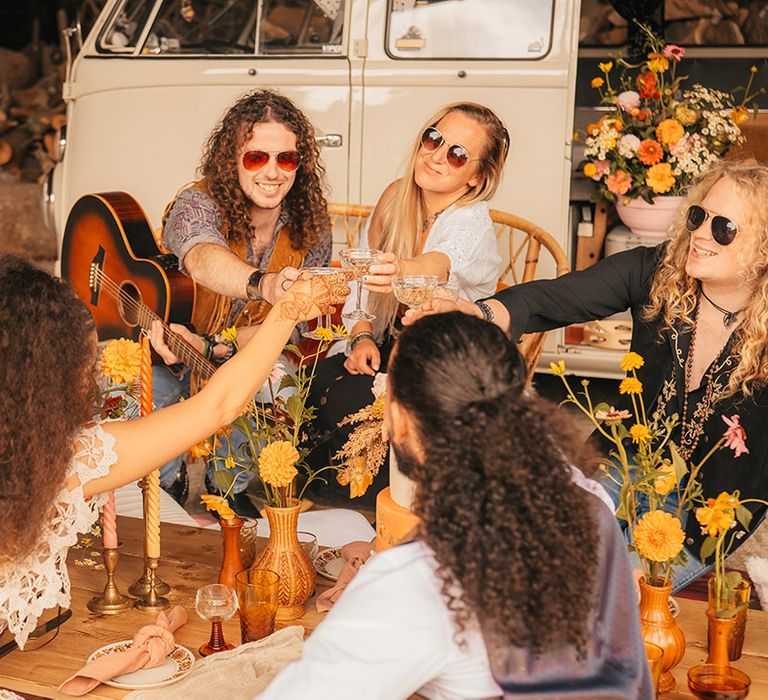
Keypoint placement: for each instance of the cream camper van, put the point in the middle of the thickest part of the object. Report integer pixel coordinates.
(153, 76)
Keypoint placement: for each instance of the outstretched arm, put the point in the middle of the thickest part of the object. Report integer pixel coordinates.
(147, 443)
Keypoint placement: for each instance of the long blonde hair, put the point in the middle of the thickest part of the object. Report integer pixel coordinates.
(404, 214)
(674, 294)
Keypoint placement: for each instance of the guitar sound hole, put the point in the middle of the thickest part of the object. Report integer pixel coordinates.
(128, 303)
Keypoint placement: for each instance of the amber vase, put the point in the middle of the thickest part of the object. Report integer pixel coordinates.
(658, 627)
(736, 601)
(232, 563)
(285, 555)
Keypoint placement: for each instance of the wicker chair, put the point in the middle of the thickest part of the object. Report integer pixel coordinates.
(522, 239)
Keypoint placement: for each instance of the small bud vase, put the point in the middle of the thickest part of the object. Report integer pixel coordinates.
(285, 555)
(231, 564)
(658, 627)
(737, 599)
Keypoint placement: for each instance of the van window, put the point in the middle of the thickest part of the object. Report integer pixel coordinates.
(479, 29)
(301, 27)
(124, 29)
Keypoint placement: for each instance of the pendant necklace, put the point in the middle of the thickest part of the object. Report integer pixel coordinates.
(430, 220)
(729, 317)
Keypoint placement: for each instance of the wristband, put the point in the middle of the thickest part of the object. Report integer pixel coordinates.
(486, 310)
(357, 337)
(253, 286)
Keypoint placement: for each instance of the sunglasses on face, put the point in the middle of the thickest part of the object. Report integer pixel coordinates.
(457, 156)
(286, 160)
(723, 229)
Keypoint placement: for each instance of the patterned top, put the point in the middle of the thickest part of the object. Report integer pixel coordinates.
(41, 580)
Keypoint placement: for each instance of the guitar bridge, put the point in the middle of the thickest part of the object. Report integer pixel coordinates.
(94, 275)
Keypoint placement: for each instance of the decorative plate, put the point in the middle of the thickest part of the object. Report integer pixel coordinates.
(329, 563)
(177, 665)
(674, 606)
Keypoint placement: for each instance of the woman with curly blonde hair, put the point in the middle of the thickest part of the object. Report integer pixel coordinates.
(699, 305)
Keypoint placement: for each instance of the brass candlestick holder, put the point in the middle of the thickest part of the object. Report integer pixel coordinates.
(152, 601)
(141, 588)
(111, 601)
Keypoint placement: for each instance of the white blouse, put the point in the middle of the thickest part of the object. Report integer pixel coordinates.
(40, 580)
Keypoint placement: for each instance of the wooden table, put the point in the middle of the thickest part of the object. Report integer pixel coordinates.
(191, 558)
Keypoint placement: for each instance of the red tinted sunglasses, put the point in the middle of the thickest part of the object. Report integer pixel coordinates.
(457, 156)
(723, 229)
(286, 160)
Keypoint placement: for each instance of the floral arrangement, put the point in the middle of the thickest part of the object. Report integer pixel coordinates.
(657, 135)
(656, 486)
(366, 448)
(118, 391)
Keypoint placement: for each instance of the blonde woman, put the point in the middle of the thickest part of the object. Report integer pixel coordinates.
(699, 305)
(435, 220)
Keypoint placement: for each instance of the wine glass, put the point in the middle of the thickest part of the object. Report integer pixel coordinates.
(215, 602)
(447, 290)
(325, 322)
(358, 261)
(414, 290)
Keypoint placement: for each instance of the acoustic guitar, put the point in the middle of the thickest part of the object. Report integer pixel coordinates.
(110, 256)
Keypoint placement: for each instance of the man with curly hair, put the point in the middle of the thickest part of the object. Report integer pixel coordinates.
(241, 232)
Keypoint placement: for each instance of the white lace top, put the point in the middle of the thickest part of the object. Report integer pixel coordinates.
(41, 581)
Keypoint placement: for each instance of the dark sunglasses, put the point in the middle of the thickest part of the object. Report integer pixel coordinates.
(286, 160)
(457, 156)
(723, 229)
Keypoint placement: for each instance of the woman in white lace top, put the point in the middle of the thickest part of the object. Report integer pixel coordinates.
(54, 465)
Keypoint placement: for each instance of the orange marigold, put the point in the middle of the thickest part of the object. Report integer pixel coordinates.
(658, 536)
(739, 115)
(277, 462)
(669, 131)
(660, 178)
(121, 361)
(639, 433)
(631, 385)
(650, 152)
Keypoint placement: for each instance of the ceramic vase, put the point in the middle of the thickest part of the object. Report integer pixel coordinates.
(232, 563)
(285, 555)
(645, 219)
(658, 627)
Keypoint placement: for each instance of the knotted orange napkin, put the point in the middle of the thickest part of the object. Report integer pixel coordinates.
(354, 554)
(151, 644)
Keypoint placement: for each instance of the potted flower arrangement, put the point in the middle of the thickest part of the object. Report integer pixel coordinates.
(657, 135)
(656, 489)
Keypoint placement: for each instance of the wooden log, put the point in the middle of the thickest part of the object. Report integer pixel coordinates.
(58, 120)
(6, 152)
(16, 69)
(17, 140)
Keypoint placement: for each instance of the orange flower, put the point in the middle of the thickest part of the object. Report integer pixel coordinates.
(650, 152)
(218, 504)
(739, 115)
(669, 131)
(121, 361)
(718, 515)
(660, 178)
(631, 385)
(276, 463)
(618, 182)
(658, 536)
(631, 360)
(590, 170)
(647, 86)
(597, 82)
(639, 433)
(665, 482)
(658, 63)
(202, 449)
(357, 476)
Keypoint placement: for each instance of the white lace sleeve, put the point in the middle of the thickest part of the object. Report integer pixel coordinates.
(466, 236)
(41, 580)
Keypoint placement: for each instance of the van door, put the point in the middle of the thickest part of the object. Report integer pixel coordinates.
(515, 56)
(153, 79)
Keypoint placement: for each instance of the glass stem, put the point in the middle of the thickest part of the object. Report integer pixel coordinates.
(216, 642)
(328, 321)
(359, 295)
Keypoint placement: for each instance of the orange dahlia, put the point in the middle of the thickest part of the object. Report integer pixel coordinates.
(658, 536)
(669, 131)
(121, 361)
(660, 178)
(650, 152)
(277, 463)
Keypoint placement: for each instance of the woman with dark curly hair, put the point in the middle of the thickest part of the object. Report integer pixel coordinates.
(240, 232)
(55, 463)
(513, 562)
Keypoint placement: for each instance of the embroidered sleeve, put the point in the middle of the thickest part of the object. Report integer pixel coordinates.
(194, 219)
(41, 581)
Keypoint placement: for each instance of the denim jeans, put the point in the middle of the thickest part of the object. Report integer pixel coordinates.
(168, 389)
(683, 574)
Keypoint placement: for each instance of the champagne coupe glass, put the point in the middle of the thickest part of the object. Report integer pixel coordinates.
(414, 290)
(325, 322)
(358, 261)
(216, 603)
(447, 290)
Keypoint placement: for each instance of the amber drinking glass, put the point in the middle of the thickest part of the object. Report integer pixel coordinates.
(655, 656)
(257, 597)
(736, 599)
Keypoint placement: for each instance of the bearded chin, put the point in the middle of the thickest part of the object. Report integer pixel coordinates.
(406, 460)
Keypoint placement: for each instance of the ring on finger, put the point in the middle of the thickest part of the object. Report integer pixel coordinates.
(282, 285)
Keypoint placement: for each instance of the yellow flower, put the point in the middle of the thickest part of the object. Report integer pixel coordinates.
(557, 368)
(639, 432)
(324, 334)
(218, 504)
(230, 334)
(357, 475)
(739, 115)
(341, 330)
(660, 178)
(669, 131)
(657, 62)
(590, 170)
(658, 536)
(276, 463)
(665, 482)
(631, 360)
(597, 82)
(685, 115)
(121, 361)
(631, 385)
(202, 449)
(718, 515)
(605, 67)
(229, 462)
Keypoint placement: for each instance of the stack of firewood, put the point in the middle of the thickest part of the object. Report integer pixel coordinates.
(31, 112)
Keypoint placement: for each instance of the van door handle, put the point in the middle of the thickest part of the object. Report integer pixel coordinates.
(329, 141)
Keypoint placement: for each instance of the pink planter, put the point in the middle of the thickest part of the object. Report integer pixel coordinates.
(645, 219)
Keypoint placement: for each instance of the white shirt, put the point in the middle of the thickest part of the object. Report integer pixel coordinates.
(388, 636)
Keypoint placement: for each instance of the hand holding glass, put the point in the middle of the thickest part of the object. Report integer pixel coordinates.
(358, 261)
(414, 290)
(216, 603)
(448, 291)
(323, 323)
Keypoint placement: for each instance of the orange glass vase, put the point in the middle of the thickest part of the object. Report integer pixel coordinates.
(232, 563)
(658, 627)
(285, 555)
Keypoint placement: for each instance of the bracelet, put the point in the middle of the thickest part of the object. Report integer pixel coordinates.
(486, 310)
(208, 344)
(357, 337)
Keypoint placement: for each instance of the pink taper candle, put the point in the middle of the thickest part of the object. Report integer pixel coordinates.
(153, 479)
(109, 522)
